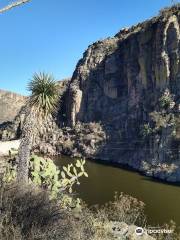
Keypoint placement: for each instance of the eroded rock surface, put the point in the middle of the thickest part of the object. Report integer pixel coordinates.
(10, 105)
(121, 80)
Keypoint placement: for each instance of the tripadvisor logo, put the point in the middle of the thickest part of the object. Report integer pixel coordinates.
(152, 230)
(139, 231)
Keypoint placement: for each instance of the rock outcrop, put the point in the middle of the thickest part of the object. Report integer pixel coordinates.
(10, 105)
(119, 81)
(124, 75)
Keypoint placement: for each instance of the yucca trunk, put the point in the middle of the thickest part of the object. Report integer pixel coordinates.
(42, 102)
(25, 148)
(23, 160)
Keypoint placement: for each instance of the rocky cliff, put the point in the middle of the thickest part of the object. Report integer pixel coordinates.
(122, 104)
(10, 105)
(122, 77)
(122, 81)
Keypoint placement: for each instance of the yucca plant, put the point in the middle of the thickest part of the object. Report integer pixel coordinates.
(44, 93)
(42, 103)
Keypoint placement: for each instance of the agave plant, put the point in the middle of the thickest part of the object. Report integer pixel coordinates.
(42, 103)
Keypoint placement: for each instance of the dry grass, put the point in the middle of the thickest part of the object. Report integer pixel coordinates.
(31, 215)
(124, 208)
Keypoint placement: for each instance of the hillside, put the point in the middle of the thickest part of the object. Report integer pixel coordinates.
(10, 105)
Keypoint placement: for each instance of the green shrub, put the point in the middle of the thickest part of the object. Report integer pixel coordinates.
(10, 172)
(165, 115)
(124, 208)
(167, 100)
(146, 130)
(45, 174)
(162, 120)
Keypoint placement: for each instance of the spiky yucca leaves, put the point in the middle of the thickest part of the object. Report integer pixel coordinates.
(42, 102)
(44, 96)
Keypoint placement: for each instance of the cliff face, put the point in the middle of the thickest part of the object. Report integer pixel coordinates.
(122, 76)
(119, 81)
(10, 105)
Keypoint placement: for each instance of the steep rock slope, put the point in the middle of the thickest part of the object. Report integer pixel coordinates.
(134, 66)
(120, 81)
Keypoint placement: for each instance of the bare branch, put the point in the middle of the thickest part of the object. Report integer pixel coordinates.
(12, 5)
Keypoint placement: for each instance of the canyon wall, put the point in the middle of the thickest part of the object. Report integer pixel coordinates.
(10, 105)
(119, 82)
(120, 79)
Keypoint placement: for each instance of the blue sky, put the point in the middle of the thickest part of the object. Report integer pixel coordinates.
(51, 35)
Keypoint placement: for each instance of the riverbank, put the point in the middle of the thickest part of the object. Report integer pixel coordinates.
(165, 172)
(75, 144)
(97, 189)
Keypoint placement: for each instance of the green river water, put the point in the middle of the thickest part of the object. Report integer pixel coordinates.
(162, 200)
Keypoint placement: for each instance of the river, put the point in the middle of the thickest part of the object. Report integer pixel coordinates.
(162, 200)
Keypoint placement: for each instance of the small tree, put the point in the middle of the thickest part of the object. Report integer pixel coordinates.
(42, 103)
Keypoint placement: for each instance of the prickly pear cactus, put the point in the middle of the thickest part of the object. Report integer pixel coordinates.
(46, 174)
